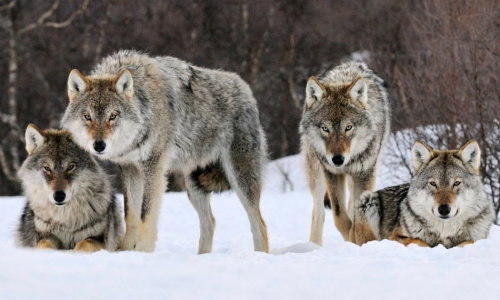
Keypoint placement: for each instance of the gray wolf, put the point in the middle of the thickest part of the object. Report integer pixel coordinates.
(153, 115)
(445, 203)
(344, 128)
(70, 202)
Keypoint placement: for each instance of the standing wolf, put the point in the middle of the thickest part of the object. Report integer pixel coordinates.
(156, 114)
(344, 128)
(70, 202)
(445, 203)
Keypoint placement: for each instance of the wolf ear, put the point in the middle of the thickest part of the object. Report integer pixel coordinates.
(358, 90)
(314, 91)
(124, 84)
(77, 83)
(421, 153)
(34, 138)
(470, 153)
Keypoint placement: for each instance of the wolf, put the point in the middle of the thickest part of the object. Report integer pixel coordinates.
(344, 128)
(444, 204)
(70, 204)
(153, 115)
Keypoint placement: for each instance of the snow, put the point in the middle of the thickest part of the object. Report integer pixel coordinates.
(295, 269)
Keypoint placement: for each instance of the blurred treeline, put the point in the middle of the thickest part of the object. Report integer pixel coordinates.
(440, 58)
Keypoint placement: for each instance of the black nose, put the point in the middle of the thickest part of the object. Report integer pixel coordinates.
(444, 209)
(338, 160)
(99, 146)
(59, 196)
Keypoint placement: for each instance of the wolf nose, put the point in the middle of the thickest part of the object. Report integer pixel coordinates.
(338, 160)
(59, 196)
(99, 146)
(444, 210)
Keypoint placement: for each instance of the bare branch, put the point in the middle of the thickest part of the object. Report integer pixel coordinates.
(286, 178)
(5, 167)
(41, 21)
(8, 5)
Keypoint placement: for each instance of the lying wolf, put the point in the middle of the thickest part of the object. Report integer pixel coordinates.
(70, 203)
(445, 203)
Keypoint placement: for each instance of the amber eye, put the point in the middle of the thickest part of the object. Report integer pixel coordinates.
(324, 128)
(112, 117)
(456, 183)
(433, 183)
(349, 127)
(70, 167)
(46, 169)
(87, 117)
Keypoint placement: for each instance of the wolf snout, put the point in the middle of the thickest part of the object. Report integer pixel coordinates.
(444, 210)
(99, 146)
(338, 160)
(59, 197)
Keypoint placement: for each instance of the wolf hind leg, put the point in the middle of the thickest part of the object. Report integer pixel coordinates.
(370, 207)
(200, 200)
(244, 176)
(133, 187)
(335, 185)
(317, 186)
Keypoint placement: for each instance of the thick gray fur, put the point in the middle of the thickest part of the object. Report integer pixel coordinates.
(91, 213)
(200, 122)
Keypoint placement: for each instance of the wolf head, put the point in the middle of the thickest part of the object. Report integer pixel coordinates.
(446, 183)
(336, 120)
(55, 166)
(101, 114)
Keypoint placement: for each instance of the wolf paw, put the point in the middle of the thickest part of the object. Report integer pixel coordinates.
(369, 203)
(88, 246)
(128, 244)
(46, 244)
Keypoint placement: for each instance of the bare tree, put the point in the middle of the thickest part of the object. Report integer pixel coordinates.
(13, 35)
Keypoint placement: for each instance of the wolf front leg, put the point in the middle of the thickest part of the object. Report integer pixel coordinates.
(335, 185)
(400, 235)
(361, 231)
(133, 186)
(154, 187)
(317, 186)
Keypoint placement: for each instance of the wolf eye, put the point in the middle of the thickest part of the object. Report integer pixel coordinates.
(456, 183)
(87, 117)
(349, 127)
(324, 128)
(433, 183)
(112, 117)
(70, 167)
(46, 169)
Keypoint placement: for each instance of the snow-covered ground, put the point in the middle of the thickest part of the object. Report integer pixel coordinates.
(295, 269)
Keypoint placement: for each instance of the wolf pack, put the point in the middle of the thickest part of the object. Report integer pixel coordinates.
(155, 115)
